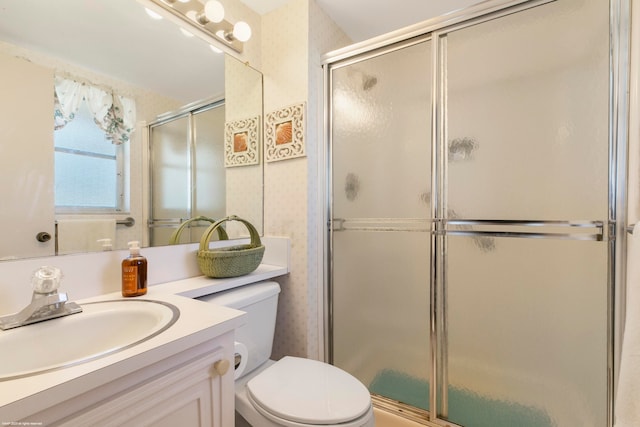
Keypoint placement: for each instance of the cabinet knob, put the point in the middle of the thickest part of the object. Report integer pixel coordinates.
(221, 366)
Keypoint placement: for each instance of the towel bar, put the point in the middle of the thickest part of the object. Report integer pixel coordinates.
(127, 222)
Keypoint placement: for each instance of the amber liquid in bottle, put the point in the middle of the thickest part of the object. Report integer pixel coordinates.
(134, 273)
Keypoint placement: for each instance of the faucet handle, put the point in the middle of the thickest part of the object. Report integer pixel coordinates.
(46, 280)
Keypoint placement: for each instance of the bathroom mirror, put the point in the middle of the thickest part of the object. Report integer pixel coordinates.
(116, 46)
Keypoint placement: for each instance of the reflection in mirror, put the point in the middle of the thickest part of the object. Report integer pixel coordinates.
(187, 179)
(123, 53)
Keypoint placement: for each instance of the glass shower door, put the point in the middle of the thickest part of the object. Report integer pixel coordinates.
(527, 199)
(381, 178)
(527, 332)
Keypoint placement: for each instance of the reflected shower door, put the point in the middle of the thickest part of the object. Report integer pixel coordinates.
(381, 178)
(527, 197)
(170, 159)
(187, 172)
(209, 189)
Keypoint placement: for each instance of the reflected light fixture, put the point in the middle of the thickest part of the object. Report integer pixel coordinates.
(186, 33)
(205, 19)
(152, 14)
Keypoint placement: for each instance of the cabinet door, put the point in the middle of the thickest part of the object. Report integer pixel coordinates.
(188, 396)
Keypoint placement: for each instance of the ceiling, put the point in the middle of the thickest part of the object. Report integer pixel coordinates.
(123, 40)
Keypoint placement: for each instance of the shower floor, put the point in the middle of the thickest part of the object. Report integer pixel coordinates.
(465, 407)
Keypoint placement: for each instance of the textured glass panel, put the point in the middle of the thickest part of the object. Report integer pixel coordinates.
(527, 114)
(209, 167)
(86, 174)
(171, 176)
(209, 163)
(381, 163)
(381, 136)
(381, 312)
(527, 332)
(82, 133)
(85, 181)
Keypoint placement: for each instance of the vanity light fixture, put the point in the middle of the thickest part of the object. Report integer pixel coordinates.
(242, 31)
(205, 19)
(213, 11)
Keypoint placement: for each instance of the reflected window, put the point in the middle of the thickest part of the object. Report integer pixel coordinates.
(89, 171)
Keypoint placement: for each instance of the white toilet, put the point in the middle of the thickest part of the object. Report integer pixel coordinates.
(292, 391)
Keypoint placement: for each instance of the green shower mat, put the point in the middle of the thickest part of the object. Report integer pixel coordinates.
(465, 408)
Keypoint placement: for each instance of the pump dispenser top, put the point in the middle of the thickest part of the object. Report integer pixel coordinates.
(105, 244)
(134, 272)
(134, 248)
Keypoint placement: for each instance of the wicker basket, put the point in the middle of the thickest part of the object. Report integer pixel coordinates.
(175, 236)
(230, 261)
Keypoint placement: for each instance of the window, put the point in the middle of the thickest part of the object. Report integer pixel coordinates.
(93, 127)
(88, 167)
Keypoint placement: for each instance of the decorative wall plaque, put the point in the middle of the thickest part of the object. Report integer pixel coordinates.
(284, 133)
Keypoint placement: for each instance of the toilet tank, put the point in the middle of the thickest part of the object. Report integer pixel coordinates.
(260, 302)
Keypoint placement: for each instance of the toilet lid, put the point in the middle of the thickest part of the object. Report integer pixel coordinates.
(309, 392)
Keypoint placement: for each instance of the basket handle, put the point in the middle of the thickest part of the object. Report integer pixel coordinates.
(175, 236)
(206, 236)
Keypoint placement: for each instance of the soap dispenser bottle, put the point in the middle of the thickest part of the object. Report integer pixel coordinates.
(134, 272)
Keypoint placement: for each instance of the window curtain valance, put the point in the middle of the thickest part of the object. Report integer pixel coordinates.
(114, 114)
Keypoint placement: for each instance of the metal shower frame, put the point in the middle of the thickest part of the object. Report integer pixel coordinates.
(614, 230)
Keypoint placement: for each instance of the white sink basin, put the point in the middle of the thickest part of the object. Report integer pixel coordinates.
(103, 328)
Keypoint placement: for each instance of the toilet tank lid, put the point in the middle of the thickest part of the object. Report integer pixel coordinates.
(243, 296)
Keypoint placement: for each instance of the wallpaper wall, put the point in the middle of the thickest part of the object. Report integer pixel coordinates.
(243, 101)
(293, 38)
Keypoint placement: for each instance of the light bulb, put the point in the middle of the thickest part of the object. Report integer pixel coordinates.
(242, 31)
(214, 11)
(215, 49)
(152, 14)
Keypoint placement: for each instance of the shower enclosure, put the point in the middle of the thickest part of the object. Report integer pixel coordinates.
(187, 173)
(474, 188)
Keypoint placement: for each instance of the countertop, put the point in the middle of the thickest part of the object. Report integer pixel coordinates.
(195, 287)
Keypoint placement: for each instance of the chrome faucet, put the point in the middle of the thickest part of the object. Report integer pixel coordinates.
(46, 302)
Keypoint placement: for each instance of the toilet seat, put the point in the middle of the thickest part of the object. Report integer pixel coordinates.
(304, 392)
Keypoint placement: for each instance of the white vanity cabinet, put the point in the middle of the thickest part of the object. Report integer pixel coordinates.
(191, 389)
(175, 378)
